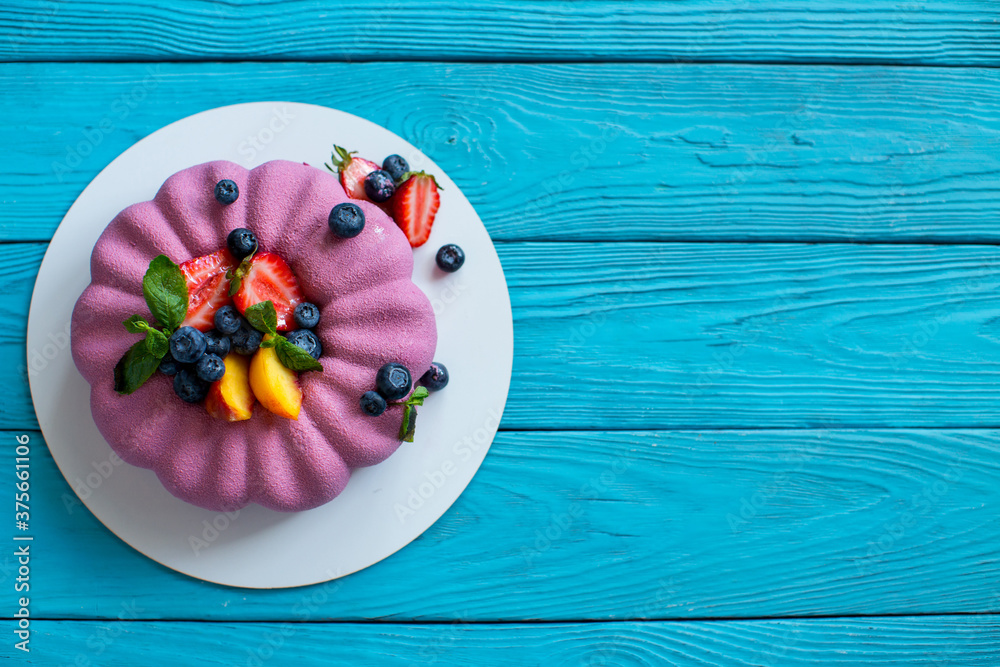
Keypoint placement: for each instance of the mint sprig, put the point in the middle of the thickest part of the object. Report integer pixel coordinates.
(407, 428)
(166, 294)
(263, 317)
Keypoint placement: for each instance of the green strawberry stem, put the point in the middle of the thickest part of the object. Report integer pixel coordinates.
(236, 276)
(339, 159)
(410, 174)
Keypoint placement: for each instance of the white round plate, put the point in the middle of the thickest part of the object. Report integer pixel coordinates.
(384, 507)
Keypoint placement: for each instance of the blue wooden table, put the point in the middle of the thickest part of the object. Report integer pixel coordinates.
(751, 249)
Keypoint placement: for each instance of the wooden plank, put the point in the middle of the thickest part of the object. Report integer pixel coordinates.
(922, 641)
(568, 526)
(574, 152)
(16, 283)
(753, 335)
(625, 335)
(940, 32)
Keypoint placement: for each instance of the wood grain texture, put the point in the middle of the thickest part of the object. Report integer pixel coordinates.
(671, 511)
(574, 152)
(570, 526)
(753, 335)
(940, 32)
(625, 335)
(16, 284)
(914, 642)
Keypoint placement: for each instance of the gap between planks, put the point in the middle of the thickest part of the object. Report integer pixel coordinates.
(826, 62)
(475, 622)
(682, 241)
(697, 429)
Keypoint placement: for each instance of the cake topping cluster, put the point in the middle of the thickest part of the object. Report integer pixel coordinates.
(216, 311)
(410, 198)
(392, 385)
(233, 327)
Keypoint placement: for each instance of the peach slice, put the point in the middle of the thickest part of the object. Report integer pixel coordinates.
(231, 398)
(276, 387)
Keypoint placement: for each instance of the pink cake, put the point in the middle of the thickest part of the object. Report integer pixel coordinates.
(372, 314)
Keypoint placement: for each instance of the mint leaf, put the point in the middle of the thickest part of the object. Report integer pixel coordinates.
(157, 343)
(409, 425)
(294, 357)
(136, 324)
(418, 396)
(407, 428)
(135, 368)
(263, 317)
(270, 341)
(166, 292)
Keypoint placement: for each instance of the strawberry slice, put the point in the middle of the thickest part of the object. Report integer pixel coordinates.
(270, 279)
(352, 171)
(208, 288)
(415, 205)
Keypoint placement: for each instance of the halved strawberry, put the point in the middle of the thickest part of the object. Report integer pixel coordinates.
(214, 294)
(198, 270)
(270, 279)
(208, 287)
(352, 171)
(415, 205)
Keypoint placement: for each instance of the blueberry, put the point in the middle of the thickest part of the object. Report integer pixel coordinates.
(307, 340)
(241, 243)
(246, 340)
(227, 320)
(189, 386)
(187, 344)
(393, 381)
(216, 343)
(436, 377)
(379, 186)
(210, 368)
(372, 403)
(396, 166)
(306, 315)
(347, 220)
(450, 258)
(169, 365)
(226, 192)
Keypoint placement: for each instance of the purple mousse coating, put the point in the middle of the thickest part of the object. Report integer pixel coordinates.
(372, 313)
